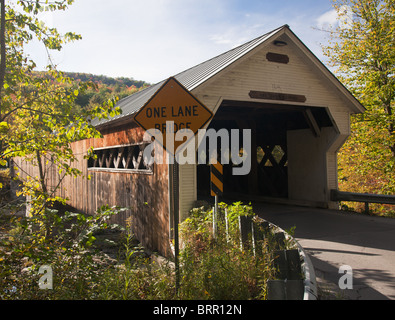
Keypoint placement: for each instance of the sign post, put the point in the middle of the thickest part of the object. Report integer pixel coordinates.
(175, 222)
(171, 109)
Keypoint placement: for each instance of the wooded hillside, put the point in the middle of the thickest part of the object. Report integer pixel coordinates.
(106, 87)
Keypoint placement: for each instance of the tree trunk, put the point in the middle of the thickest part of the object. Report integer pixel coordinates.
(2, 48)
(391, 126)
(41, 172)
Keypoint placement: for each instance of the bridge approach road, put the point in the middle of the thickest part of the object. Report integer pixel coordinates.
(336, 238)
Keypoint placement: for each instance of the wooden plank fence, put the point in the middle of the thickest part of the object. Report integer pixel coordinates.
(289, 282)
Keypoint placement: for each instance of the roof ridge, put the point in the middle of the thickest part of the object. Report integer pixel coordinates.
(189, 78)
(232, 50)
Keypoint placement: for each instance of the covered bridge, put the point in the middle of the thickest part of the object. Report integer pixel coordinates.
(299, 114)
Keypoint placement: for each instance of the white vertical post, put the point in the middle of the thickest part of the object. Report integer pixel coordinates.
(227, 225)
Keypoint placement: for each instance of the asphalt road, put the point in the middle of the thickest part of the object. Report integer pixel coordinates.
(336, 238)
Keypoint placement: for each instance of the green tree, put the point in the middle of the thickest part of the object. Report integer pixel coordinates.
(362, 48)
(38, 118)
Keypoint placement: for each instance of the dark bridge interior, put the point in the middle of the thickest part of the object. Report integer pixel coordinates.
(269, 160)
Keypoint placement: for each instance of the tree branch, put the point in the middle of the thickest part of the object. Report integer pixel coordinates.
(2, 49)
(22, 106)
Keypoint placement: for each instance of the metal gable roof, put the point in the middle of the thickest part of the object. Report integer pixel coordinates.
(190, 78)
(197, 75)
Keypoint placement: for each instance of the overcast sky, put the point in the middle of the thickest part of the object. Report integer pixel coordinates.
(152, 40)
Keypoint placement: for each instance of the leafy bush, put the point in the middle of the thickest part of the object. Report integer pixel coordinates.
(210, 267)
(217, 268)
(137, 278)
(59, 241)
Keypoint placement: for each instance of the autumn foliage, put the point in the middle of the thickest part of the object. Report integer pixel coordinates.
(362, 49)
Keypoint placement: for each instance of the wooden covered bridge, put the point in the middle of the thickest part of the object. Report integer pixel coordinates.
(299, 114)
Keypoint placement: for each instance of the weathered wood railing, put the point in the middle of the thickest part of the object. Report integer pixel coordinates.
(367, 198)
(295, 275)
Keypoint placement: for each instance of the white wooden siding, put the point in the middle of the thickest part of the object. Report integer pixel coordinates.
(187, 191)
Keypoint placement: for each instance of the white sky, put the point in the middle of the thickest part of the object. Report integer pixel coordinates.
(152, 40)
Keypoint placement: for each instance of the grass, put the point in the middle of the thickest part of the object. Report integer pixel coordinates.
(210, 268)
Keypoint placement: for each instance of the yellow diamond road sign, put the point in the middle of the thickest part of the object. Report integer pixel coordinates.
(171, 109)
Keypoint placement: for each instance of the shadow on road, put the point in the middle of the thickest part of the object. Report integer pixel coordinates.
(334, 238)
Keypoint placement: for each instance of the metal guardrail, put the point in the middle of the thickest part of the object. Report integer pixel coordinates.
(367, 198)
(296, 278)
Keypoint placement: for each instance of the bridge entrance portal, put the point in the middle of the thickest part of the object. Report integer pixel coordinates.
(270, 125)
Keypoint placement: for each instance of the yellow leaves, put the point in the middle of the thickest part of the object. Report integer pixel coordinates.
(4, 127)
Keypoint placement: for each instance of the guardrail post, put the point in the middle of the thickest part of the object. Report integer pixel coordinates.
(245, 225)
(285, 290)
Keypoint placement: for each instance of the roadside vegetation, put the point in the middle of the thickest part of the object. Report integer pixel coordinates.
(76, 246)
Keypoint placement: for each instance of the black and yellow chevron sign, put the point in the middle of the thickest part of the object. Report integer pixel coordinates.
(217, 179)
